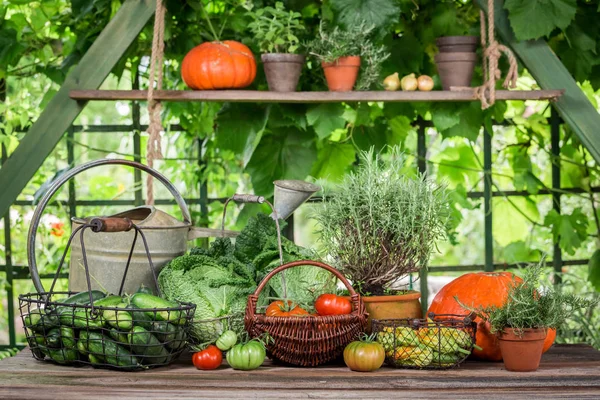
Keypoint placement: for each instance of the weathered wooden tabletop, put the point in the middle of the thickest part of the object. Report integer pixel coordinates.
(566, 371)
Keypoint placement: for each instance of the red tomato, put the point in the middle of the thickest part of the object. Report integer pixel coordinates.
(330, 304)
(278, 309)
(209, 358)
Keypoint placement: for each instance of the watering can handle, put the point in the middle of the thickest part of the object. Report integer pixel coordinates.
(56, 185)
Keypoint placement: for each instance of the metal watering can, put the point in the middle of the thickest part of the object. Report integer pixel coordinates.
(166, 236)
(107, 252)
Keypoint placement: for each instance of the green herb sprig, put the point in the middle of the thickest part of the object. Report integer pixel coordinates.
(275, 29)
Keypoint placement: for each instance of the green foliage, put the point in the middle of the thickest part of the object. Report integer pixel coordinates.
(594, 270)
(379, 225)
(531, 305)
(275, 29)
(534, 19)
(377, 13)
(569, 230)
(357, 40)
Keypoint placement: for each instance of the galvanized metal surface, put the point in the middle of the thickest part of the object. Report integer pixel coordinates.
(291, 194)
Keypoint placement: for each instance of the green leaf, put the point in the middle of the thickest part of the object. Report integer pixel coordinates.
(286, 153)
(400, 127)
(594, 270)
(459, 165)
(326, 118)
(444, 115)
(532, 19)
(471, 119)
(240, 127)
(509, 224)
(380, 13)
(519, 251)
(406, 55)
(333, 161)
(569, 230)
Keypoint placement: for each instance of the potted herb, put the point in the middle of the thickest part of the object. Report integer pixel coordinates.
(342, 52)
(523, 319)
(276, 31)
(378, 225)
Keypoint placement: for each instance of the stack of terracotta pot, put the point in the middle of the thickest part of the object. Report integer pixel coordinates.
(456, 60)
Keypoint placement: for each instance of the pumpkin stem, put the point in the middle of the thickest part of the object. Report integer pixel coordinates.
(210, 26)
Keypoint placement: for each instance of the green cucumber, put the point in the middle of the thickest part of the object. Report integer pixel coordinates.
(170, 335)
(148, 301)
(144, 344)
(120, 318)
(53, 339)
(61, 356)
(79, 318)
(145, 289)
(34, 342)
(82, 348)
(174, 339)
(38, 321)
(139, 317)
(95, 359)
(82, 298)
(67, 336)
(97, 344)
(119, 337)
(108, 301)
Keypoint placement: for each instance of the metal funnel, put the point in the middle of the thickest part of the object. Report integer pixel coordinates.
(290, 194)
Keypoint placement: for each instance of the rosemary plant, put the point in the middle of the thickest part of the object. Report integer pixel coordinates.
(379, 225)
(530, 304)
(332, 44)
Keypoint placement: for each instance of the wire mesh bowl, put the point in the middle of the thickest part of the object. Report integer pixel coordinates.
(442, 341)
(207, 331)
(109, 337)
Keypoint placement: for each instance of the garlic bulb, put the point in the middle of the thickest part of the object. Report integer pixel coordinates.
(392, 82)
(409, 82)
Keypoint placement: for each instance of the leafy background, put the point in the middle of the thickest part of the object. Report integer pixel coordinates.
(245, 147)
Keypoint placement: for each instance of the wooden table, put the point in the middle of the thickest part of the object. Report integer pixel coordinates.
(566, 371)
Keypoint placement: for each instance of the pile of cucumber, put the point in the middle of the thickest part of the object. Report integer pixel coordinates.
(125, 332)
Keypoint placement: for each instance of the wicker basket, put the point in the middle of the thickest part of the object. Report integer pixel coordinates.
(440, 342)
(306, 341)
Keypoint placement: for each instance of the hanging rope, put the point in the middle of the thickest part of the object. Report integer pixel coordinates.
(153, 148)
(491, 54)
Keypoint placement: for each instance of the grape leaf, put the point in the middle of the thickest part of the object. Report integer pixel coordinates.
(471, 119)
(333, 160)
(594, 270)
(532, 19)
(509, 224)
(286, 153)
(400, 127)
(444, 115)
(379, 13)
(240, 127)
(569, 230)
(519, 251)
(399, 48)
(326, 118)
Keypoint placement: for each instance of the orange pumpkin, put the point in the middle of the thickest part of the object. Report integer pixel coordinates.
(480, 289)
(218, 65)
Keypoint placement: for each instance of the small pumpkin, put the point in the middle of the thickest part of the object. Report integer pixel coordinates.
(480, 289)
(219, 65)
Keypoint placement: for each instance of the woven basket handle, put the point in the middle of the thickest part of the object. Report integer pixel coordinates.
(252, 299)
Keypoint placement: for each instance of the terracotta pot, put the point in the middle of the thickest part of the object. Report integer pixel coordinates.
(341, 74)
(282, 70)
(522, 353)
(455, 69)
(393, 307)
(457, 44)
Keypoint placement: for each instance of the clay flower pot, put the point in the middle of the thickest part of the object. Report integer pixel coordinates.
(457, 44)
(393, 307)
(455, 69)
(522, 353)
(282, 70)
(342, 73)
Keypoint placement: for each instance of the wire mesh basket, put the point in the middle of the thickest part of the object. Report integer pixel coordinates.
(90, 328)
(441, 341)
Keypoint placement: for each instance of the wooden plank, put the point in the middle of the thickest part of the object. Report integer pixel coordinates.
(60, 113)
(256, 96)
(566, 371)
(549, 72)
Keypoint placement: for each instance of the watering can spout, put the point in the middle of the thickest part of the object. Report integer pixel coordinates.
(291, 194)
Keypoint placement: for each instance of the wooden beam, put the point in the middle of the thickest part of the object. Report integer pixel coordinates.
(255, 96)
(549, 72)
(91, 71)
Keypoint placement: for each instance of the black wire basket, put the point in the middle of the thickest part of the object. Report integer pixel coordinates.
(441, 341)
(130, 332)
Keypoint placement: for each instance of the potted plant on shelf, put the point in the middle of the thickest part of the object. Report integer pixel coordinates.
(523, 319)
(378, 225)
(343, 52)
(276, 31)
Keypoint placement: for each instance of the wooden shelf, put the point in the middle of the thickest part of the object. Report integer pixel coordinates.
(255, 96)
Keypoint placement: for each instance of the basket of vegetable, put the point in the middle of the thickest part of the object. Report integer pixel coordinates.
(300, 338)
(441, 341)
(127, 332)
